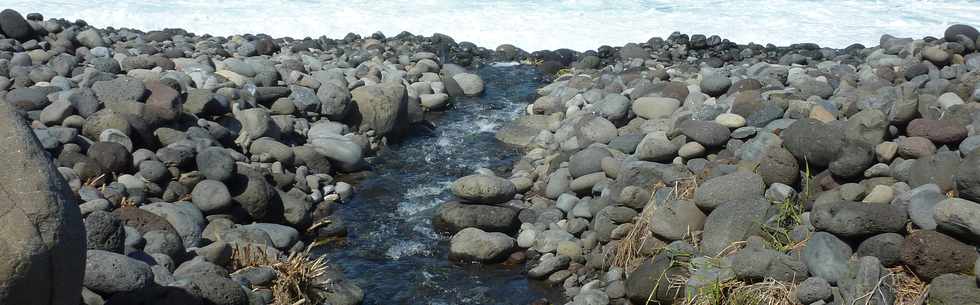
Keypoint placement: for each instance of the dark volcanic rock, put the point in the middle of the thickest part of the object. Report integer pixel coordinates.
(13, 25)
(930, 254)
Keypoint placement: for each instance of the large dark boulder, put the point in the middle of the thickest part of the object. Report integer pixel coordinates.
(42, 244)
(15, 26)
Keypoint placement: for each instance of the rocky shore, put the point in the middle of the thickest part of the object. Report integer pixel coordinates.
(166, 167)
(692, 170)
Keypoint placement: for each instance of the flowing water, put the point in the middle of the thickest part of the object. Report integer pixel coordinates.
(392, 250)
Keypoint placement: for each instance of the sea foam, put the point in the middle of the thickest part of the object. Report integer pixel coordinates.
(533, 25)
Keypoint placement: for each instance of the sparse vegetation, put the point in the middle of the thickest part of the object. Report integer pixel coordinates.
(300, 278)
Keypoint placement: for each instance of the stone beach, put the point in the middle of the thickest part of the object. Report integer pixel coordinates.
(167, 167)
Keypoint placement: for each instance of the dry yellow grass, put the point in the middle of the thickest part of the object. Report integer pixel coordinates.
(909, 289)
(628, 254)
(300, 278)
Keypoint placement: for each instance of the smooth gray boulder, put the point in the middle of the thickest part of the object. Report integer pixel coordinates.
(42, 247)
(484, 189)
(472, 244)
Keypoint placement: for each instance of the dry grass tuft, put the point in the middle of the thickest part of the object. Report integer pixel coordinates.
(767, 292)
(300, 278)
(127, 202)
(628, 254)
(909, 289)
(95, 181)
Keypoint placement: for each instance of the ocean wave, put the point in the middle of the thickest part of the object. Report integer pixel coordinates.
(534, 25)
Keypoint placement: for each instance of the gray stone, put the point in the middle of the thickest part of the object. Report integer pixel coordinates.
(104, 231)
(471, 84)
(656, 147)
(954, 289)
(756, 262)
(967, 177)
(548, 264)
(587, 161)
(655, 107)
(211, 196)
(676, 219)
(340, 149)
(708, 133)
(549, 240)
(731, 222)
(714, 84)
(184, 217)
(856, 219)
(887, 247)
(217, 290)
(41, 215)
(13, 25)
(90, 38)
(959, 217)
(735, 187)
(814, 142)
(920, 203)
(867, 282)
(108, 273)
(484, 189)
(215, 163)
(812, 290)
(651, 281)
(472, 244)
(255, 195)
(382, 108)
(454, 216)
(826, 256)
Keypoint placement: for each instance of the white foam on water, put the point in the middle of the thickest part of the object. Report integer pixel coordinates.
(407, 248)
(533, 25)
